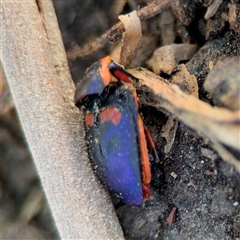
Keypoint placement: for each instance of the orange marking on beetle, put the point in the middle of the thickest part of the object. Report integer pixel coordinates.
(89, 120)
(105, 73)
(111, 114)
(146, 169)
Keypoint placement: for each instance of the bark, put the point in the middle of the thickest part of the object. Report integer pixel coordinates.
(36, 68)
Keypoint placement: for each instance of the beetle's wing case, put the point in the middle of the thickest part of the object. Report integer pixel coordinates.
(95, 79)
(114, 147)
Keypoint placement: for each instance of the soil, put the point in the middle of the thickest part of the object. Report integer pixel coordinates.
(191, 177)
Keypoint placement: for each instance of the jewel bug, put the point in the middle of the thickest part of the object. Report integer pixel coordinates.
(116, 136)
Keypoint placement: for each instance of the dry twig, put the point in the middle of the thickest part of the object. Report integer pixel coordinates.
(219, 125)
(116, 31)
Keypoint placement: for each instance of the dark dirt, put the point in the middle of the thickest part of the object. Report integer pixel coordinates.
(191, 177)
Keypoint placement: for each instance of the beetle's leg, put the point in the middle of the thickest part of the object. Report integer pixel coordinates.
(151, 144)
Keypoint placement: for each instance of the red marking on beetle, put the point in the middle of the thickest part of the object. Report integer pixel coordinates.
(172, 216)
(111, 114)
(89, 120)
(146, 169)
(146, 191)
(122, 76)
(105, 73)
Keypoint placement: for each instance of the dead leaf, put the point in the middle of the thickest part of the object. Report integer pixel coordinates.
(115, 52)
(212, 9)
(165, 59)
(234, 15)
(223, 83)
(186, 81)
(146, 47)
(213, 26)
(169, 132)
(131, 37)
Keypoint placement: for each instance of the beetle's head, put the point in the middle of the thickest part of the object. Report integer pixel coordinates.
(96, 78)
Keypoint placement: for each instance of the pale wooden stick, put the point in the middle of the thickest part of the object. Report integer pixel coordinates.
(220, 125)
(36, 68)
